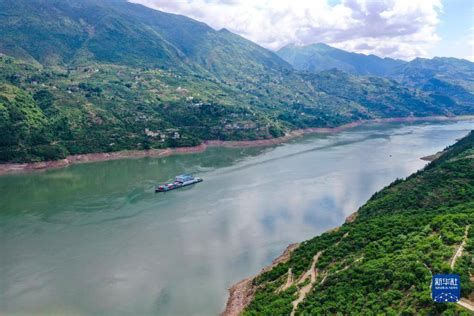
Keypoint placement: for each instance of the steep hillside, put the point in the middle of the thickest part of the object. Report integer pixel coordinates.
(56, 32)
(381, 261)
(446, 80)
(111, 75)
(383, 96)
(319, 57)
(452, 70)
(441, 77)
(75, 32)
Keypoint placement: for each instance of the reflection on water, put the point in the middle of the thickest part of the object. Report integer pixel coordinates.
(96, 239)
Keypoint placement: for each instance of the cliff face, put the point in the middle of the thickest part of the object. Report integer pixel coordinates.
(382, 259)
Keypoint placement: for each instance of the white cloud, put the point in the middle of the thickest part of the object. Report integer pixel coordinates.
(470, 44)
(394, 28)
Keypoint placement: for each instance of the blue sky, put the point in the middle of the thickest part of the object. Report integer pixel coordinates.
(389, 28)
(456, 29)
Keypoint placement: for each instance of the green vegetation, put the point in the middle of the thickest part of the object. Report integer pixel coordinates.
(320, 57)
(100, 76)
(441, 77)
(446, 80)
(102, 108)
(382, 262)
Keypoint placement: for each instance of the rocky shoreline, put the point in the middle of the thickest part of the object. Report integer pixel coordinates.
(241, 294)
(92, 157)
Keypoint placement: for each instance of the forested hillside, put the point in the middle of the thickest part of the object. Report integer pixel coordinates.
(381, 262)
(441, 77)
(81, 76)
(444, 79)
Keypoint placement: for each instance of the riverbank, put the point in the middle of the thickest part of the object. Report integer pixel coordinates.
(95, 157)
(242, 293)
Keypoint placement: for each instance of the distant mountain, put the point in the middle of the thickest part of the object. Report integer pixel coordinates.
(80, 76)
(453, 70)
(440, 77)
(383, 96)
(319, 57)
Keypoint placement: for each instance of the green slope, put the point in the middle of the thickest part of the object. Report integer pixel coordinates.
(382, 262)
(72, 32)
(441, 77)
(111, 75)
(319, 57)
(444, 79)
(383, 96)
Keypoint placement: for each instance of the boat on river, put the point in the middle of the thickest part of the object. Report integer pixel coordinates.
(179, 182)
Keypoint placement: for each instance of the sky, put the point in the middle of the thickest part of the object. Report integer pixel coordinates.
(402, 29)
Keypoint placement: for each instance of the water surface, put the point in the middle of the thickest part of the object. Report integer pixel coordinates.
(95, 239)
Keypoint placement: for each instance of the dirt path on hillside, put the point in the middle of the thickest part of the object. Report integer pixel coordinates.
(289, 281)
(466, 304)
(460, 249)
(241, 294)
(312, 274)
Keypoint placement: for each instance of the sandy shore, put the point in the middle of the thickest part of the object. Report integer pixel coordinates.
(73, 159)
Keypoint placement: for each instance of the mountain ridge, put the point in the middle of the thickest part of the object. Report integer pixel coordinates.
(320, 56)
(438, 76)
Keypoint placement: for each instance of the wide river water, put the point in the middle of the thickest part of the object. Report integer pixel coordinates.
(95, 239)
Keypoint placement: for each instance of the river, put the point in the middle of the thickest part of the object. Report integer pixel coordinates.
(94, 239)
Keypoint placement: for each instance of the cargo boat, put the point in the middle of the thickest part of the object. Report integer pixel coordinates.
(179, 182)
